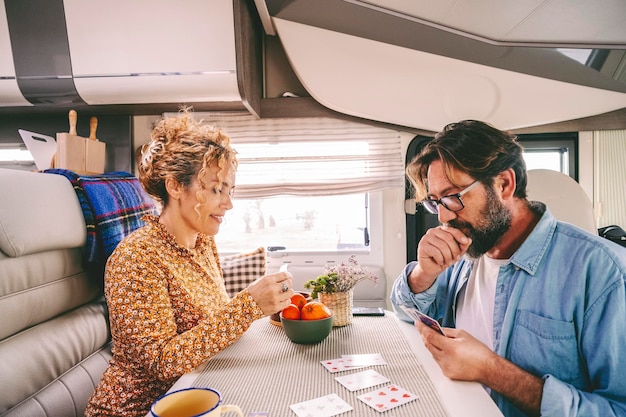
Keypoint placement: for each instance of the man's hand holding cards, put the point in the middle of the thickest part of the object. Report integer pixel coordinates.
(427, 320)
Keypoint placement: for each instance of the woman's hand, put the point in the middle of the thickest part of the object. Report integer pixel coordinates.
(272, 292)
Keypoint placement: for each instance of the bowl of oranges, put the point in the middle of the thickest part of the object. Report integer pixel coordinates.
(306, 322)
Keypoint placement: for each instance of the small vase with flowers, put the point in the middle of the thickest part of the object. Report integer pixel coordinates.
(334, 288)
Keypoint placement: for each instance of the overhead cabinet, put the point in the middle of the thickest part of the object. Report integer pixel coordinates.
(152, 51)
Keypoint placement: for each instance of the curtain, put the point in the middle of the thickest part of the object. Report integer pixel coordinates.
(310, 156)
(610, 177)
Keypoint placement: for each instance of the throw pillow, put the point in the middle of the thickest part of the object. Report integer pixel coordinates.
(241, 269)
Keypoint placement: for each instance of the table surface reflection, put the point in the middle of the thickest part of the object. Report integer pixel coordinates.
(265, 371)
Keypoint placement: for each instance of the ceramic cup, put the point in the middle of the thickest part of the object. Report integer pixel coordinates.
(192, 402)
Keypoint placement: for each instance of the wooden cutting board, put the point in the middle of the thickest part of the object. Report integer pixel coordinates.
(79, 154)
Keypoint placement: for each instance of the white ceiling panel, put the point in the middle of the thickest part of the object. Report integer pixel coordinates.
(598, 22)
(479, 17)
(426, 91)
(434, 11)
(10, 94)
(567, 21)
(165, 38)
(6, 63)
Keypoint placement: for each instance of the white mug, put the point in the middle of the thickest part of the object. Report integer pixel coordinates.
(192, 402)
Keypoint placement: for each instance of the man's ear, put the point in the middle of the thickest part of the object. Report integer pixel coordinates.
(506, 183)
(174, 188)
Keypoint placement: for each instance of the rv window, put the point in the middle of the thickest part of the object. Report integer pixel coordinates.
(555, 160)
(16, 156)
(314, 229)
(10, 154)
(310, 189)
(556, 151)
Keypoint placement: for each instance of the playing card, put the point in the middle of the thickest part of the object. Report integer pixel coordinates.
(362, 380)
(364, 359)
(427, 320)
(337, 365)
(329, 405)
(386, 398)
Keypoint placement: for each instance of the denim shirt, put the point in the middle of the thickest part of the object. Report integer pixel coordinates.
(560, 314)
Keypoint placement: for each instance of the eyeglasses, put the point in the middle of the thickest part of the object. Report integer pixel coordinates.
(452, 202)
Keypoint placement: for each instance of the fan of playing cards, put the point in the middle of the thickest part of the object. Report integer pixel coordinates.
(417, 315)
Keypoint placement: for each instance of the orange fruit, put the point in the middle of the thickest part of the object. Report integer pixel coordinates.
(299, 300)
(314, 310)
(291, 312)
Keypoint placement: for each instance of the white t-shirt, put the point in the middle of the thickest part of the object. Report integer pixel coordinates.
(476, 300)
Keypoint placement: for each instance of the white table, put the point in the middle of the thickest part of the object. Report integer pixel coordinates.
(264, 371)
(460, 398)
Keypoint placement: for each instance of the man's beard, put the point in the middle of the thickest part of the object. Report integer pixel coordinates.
(495, 222)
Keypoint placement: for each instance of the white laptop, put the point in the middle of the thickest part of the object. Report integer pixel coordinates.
(42, 148)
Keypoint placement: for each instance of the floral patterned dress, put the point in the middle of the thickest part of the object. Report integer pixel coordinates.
(169, 312)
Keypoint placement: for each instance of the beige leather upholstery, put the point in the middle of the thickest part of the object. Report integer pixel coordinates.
(54, 336)
(564, 196)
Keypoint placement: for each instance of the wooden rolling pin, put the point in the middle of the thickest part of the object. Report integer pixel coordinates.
(73, 117)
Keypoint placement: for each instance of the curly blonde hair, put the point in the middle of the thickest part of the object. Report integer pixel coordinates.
(183, 148)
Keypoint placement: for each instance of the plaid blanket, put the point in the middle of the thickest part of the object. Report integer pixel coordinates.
(113, 205)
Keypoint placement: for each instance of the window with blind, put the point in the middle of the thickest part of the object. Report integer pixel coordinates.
(309, 187)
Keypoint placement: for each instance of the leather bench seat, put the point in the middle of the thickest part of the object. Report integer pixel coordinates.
(54, 334)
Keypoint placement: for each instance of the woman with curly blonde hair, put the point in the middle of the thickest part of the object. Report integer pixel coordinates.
(168, 307)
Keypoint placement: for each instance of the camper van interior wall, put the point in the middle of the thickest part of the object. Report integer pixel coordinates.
(79, 154)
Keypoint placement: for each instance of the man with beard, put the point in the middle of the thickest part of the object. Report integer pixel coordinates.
(532, 308)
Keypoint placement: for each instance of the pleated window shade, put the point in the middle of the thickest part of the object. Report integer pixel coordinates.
(610, 177)
(311, 156)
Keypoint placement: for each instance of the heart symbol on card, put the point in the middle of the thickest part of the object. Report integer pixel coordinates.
(394, 389)
(382, 393)
(380, 405)
(406, 395)
(393, 400)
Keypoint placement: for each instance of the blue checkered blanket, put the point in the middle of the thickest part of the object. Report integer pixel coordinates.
(113, 205)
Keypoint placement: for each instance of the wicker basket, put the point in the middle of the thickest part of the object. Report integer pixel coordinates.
(340, 303)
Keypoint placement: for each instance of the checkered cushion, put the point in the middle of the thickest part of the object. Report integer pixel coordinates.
(241, 269)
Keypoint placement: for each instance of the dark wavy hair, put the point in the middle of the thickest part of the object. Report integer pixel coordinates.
(475, 148)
